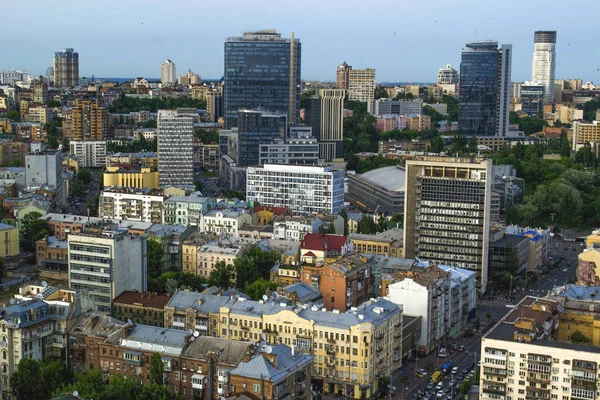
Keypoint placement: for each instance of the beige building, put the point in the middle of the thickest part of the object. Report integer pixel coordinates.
(447, 212)
(226, 221)
(199, 92)
(144, 178)
(521, 358)
(40, 113)
(225, 249)
(189, 250)
(189, 78)
(361, 86)
(420, 122)
(342, 76)
(90, 120)
(566, 114)
(585, 132)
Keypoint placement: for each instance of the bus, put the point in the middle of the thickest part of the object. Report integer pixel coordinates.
(436, 377)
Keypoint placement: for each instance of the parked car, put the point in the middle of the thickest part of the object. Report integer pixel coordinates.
(461, 347)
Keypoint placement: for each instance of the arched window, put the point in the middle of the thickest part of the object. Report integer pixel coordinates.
(4, 354)
(4, 368)
(5, 380)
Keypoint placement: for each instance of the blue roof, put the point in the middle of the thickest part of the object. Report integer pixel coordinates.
(20, 314)
(259, 367)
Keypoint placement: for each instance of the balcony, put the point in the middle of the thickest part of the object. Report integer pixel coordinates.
(495, 389)
(331, 362)
(244, 327)
(538, 378)
(330, 339)
(330, 350)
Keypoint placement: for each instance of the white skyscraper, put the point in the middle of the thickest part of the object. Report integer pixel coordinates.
(168, 73)
(175, 148)
(544, 62)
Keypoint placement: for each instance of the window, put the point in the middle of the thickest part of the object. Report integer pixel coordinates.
(256, 388)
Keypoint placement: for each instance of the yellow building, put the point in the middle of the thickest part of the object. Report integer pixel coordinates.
(144, 178)
(199, 92)
(388, 243)
(9, 241)
(571, 321)
(588, 267)
(189, 250)
(71, 163)
(593, 238)
(585, 132)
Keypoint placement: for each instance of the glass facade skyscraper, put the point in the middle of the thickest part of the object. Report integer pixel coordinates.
(256, 128)
(484, 96)
(544, 62)
(262, 71)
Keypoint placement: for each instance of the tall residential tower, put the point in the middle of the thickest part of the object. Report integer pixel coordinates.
(262, 71)
(544, 62)
(66, 68)
(175, 148)
(484, 100)
(168, 73)
(325, 114)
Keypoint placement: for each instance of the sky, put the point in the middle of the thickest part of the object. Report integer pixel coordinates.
(404, 40)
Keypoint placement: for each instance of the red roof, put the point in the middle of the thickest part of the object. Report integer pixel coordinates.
(146, 299)
(310, 254)
(320, 242)
(274, 210)
(9, 215)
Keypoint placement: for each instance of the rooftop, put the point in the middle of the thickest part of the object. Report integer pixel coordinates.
(231, 352)
(389, 236)
(304, 292)
(390, 178)
(202, 303)
(323, 242)
(145, 299)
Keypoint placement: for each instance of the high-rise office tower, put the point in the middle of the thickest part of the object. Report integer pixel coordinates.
(324, 113)
(544, 62)
(342, 76)
(361, 86)
(66, 68)
(214, 105)
(175, 148)
(484, 98)
(256, 128)
(532, 98)
(90, 120)
(262, 71)
(168, 73)
(447, 212)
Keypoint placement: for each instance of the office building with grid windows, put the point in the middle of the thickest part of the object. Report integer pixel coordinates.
(447, 212)
(303, 189)
(175, 148)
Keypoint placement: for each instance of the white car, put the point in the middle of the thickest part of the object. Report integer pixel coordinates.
(455, 370)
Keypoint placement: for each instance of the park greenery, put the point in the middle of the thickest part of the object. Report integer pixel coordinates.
(132, 146)
(125, 105)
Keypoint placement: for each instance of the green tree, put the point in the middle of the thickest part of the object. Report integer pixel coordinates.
(84, 175)
(512, 259)
(33, 228)
(580, 338)
(367, 225)
(155, 259)
(531, 125)
(258, 288)
(256, 263)
(381, 92)
(222, 275)
(472, 145)
(437, 145)
(157, 370)
(13, 116)
(236, 194)
(24, 381)
(344, 215)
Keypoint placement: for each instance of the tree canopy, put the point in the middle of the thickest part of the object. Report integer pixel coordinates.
(125, 105)
(35, 380)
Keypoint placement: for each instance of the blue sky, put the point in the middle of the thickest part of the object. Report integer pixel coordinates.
(403, 40)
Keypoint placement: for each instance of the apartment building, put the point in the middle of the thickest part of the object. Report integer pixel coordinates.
(132, 205)
(224, 249)
(585, 132)
(187, 211)
(44, 167)
(143, 178)
(9, 240)
(35, 325)
(580, 312)
(52, 254)
(90, 120)
(226, 221)
(296, 227)
(303, 189)
(522, 358)
(89, 153)
(175, 148)
(361, 86)
(40, 113)
(388, 106)
(66, 68)
(140, 307)
(189, 250)
(447, 212)
(388, 243)
(344, 282)
(103, 265)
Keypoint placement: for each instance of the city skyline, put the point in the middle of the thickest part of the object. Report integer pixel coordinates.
(143, 43)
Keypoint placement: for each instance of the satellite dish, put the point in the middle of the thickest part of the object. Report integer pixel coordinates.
(190, 331)
(192, 339)
(265, 297)
(44, 284)
(275, 295)
(263, 337)
(13, 301)
(268, 349)
(129, 321)
(3, 343)
(75, 393)
(196, 333)
(124, 342)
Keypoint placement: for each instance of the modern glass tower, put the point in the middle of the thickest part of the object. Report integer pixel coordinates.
(544, 62)
(262, 71)
(484, 96)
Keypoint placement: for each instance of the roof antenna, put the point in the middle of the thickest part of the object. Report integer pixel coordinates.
(475, 34)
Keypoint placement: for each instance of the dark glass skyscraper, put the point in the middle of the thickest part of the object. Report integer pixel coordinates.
(256, 128)
(484, 96)
(262, 70)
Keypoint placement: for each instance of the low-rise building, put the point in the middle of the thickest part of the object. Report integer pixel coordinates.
(143, 178)
(580, 311)
(135, 205)
(508, 252)
(388, 243)
(195, 311)
(189, 250)
(381, 189)
(187, 211)
(295, 227)
(226, 221)
(52, 255)
(170, 238)
(140, 307)
(9, 240)
(316, 247)
(588, 267)
(224, 249)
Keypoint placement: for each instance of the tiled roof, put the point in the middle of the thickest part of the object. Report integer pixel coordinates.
(259, 367)
(323, 242)
(149, 300)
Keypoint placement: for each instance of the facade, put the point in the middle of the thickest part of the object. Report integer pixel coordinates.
(89, 153)
(544, 62)
(189, 250)
(280, 61)
(168, 73)
(387, 243)
(104, 265)
(585, 132)
(45, 168)
(9, 241)
(588, 267)
(324, 113)
(447, 76)
(532, 98)
(342, 76)
(580, 312)
(140, 307)
(296, 227)
(189, 78)
(397, 107)
(317, 247)
(568, 115)
(66, 68)
(361, 86)
(52, 254)
(35, 325)
(299, 147)
(186, 211)
(507, 249)
(131, 205)
(143, 178)
(256, 128)
(224, 249)
(175, 148)
(215, 105)
(302, 189)
(226, 221)
(206, 155)
(90, 120)
(447, 212)
(484, 97)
